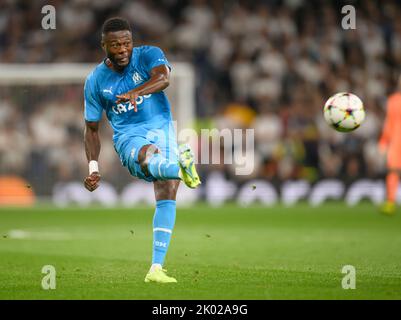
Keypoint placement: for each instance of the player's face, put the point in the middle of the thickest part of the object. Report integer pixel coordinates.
(118, 47)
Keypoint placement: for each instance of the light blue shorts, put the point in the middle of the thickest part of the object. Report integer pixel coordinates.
(128, 147)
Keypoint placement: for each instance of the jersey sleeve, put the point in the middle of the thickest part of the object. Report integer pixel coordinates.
(92, 107)
(154, 57)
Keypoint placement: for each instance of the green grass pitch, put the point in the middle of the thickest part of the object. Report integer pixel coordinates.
(216, 253)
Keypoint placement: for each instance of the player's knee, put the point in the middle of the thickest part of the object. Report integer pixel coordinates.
(144, 156)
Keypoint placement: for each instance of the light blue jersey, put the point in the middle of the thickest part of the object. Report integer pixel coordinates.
(131, 129)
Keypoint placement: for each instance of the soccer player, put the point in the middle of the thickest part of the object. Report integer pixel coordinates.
(390, 142)
(128, 85)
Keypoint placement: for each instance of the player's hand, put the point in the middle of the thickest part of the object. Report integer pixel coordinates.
(130, 96)
(91, 182)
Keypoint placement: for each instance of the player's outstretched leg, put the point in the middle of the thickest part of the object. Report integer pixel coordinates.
(188, 170)
(160, 167)
(163, 223)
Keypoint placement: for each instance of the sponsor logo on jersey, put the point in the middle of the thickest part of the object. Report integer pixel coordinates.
(127, 106)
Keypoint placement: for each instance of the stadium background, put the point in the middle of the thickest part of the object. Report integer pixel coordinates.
(266, 65)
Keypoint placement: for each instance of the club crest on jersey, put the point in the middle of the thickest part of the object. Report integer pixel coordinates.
(137, 78)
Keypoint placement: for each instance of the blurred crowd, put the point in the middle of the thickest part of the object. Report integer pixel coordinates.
(268, 65)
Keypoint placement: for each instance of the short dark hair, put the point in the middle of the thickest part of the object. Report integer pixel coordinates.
(116, 24)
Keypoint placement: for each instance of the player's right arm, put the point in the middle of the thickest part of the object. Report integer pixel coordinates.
(92, 150)
(93, 114)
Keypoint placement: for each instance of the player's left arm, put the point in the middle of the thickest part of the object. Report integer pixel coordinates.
(159, 80)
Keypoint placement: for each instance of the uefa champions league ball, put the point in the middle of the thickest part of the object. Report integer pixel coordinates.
(344, 112)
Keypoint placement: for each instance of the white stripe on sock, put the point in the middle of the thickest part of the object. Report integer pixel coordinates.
(160, 163)
(162, 229)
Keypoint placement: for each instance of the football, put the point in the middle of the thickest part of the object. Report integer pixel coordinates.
(344, 112)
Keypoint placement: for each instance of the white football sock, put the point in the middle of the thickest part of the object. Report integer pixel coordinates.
(155, 266)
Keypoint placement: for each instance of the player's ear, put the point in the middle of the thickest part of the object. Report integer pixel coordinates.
(103, 42)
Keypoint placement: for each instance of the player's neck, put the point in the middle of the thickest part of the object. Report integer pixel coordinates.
(110, 65)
